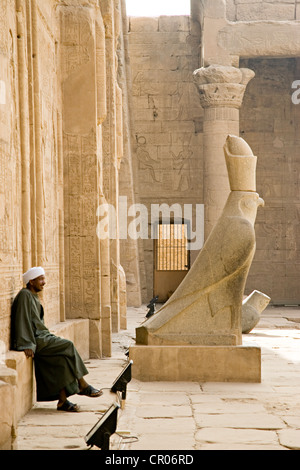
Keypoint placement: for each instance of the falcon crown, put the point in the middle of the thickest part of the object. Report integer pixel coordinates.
(241, 164)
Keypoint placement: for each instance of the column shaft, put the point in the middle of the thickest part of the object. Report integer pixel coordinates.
(221, 90)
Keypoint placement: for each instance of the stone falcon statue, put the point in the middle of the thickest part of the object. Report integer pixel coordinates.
(206, 307)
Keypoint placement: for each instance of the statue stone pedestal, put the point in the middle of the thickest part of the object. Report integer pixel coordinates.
(183, 363)
(197, 333)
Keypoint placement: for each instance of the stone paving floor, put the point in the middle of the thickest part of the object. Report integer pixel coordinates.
(186, 415)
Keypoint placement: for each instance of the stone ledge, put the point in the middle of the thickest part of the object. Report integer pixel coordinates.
(196, 363)
(6, 416)
(17, 380)
(19, 373)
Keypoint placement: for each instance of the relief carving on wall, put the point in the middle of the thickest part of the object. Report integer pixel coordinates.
(145, 161)
(182, 170)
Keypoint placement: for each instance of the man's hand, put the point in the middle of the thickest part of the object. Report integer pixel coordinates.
(29, 353)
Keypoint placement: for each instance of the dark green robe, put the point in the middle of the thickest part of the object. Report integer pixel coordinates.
(56, 360)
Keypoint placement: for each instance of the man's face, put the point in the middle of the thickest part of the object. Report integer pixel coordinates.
(38, 283)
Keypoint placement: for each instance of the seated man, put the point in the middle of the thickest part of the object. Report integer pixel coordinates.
(59, 369)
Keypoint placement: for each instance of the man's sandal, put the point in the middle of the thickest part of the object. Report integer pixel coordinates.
(68, 406)
(90, 391)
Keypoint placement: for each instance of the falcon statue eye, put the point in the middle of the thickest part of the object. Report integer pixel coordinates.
(249, 203)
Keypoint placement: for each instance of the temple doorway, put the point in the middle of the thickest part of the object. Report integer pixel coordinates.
(171, 258)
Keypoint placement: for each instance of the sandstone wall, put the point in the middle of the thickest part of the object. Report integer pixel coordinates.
(269, 122)
(10, 169)
(82, 149)
(30, 153)
(253, 10)
(167, 116)
(61, 148)
(131, 251)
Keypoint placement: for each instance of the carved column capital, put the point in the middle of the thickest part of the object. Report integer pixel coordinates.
(222, 86)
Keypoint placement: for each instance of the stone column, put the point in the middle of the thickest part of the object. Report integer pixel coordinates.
(221, 90)
(23, 75)
(83, 112)
(111, 158)
(129, 254)
(38, 237)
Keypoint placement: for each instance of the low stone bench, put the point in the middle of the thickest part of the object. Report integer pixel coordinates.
(17, 384)
(7, 424)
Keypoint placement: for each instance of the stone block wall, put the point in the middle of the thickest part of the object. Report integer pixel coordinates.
(269, 121)
(10, 169)
(7, 425)
(31, 182)
(30, 154)
(61, 147)
(167, 117)
(253, 10)
(82, 155)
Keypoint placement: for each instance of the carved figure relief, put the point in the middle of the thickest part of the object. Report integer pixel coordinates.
(146, 162)
(181, 167)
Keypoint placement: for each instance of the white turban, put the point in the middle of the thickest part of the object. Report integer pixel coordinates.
(33, 273)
